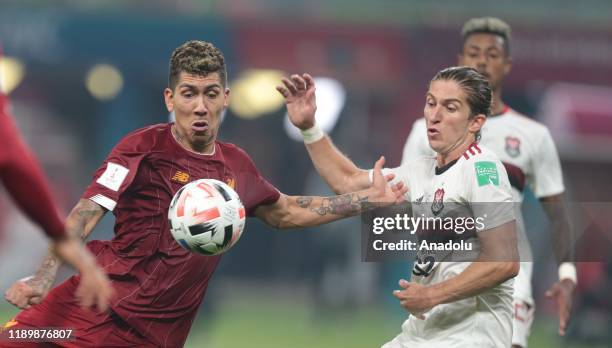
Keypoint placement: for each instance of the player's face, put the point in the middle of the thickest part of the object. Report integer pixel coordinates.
(486, 53)
(447, 117)
(198, 103)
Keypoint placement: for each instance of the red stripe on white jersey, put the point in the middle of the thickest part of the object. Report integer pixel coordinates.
(471, 150)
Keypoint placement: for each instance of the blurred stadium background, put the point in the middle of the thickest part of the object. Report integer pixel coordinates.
(81, 74)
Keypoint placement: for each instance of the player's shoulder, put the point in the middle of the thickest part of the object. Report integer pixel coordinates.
(477, 152)
(419, 123)
(419, 127)
(144, 139)
(233, 151)
(525, 123)
(484, 166)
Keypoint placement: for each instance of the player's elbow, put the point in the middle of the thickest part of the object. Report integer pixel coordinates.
(509, 269)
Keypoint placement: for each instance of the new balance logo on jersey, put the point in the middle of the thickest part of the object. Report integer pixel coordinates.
(513, 146)
(438, 201)
(486, 173)
(181, 177)
(231, 182)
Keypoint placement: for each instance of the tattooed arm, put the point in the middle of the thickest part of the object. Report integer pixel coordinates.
(79, 224)
(305, 211)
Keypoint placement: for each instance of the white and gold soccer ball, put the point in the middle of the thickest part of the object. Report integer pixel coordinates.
(206, 216)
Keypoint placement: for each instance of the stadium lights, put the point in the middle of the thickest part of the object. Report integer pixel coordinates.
(12, 71)
(254, 94)
(331, 97)
(104, 81)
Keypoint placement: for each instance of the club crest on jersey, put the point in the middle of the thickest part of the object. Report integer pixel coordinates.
(438, 202)
(513, 146)
(180, 177)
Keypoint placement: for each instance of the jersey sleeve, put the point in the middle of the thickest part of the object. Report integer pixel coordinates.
(417, 144)
(547, 178)
(488, 191)
(24, 180)
(116, 174)
(254, 190)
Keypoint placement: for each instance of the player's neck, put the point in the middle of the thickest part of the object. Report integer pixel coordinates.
(200, 149)
(498, 106)
(443, 159)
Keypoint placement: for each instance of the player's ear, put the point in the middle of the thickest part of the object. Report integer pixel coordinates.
(226, 100)
(169, 99)
(508, 65)
(476, 123)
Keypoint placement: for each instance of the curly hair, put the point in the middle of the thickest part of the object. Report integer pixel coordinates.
(198, 58)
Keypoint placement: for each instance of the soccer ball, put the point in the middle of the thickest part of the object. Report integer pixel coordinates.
(206, 216)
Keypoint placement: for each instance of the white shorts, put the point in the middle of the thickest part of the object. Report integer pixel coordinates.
(523, 305)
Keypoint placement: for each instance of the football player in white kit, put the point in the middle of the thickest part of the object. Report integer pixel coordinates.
(453, 304)
(527, 151)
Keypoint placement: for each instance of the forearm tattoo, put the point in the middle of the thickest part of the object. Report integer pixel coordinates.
(345, 205)
(45, 275)
(84, 212)
(76, 225)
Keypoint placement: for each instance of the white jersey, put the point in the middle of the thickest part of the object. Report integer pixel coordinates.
(484, 320)
(529, 154)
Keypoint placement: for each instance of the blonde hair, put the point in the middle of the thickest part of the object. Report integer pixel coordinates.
(488, 25)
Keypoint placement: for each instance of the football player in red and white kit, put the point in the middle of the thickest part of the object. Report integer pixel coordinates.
(529, 154)
(159, 284)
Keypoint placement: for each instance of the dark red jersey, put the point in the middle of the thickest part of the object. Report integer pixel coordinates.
(159, 284)
(23, 177)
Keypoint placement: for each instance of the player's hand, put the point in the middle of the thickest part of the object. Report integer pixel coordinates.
(26, 292)
(413, 297)
(299, 94)
(563, 292)
(94, 289)
(383, 190)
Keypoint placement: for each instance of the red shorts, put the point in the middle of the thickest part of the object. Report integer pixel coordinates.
(60, 309)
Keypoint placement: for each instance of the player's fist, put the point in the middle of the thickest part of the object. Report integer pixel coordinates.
(26, 292)
(414, 298)
(299, 94)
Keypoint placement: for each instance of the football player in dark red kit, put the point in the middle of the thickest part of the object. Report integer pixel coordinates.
(159, 284)
(24, 181)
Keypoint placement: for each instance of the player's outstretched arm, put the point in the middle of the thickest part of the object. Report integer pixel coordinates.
(563, 290)
(24, 180)
(340, 173)
(496, 263)
(94, 285)
(305, 211)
